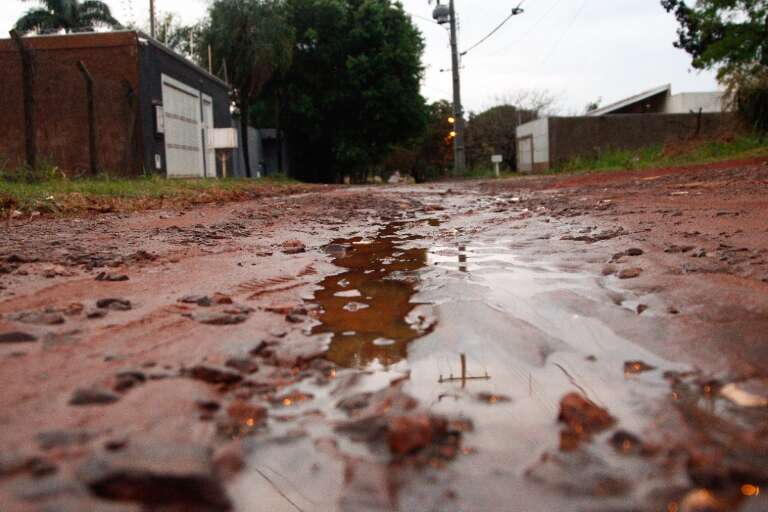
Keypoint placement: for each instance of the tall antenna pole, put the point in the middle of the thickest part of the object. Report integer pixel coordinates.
(459, 150)
(152, 18)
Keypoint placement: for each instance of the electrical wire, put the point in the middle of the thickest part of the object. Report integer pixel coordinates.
(565, 32)
(514, 12)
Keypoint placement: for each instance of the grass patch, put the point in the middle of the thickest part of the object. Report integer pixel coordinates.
(56, 194)
(671, 155)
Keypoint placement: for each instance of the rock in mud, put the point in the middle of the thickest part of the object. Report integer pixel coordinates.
(221, 299)
(127, 379)
(626, 443)
(17, 337)
(242, 364)
(62, 438)
(93, 396)
(215, 374)
(159, 475)
(294, 247)
(630, 273)
(94, 313)
(114, 304)
(634, 251)
(406, 434)
(39, 317)
(245, 413)
(637, 367)
(110, 277)
(217, 318)
(200, 300)
(582, 418)
(491, 398)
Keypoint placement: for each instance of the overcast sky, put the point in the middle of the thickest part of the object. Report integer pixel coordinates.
(580, 50)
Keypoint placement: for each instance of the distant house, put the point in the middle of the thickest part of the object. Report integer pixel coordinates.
(155, 111)
(646, 119)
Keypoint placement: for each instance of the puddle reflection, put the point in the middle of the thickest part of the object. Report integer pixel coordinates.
(366, 308)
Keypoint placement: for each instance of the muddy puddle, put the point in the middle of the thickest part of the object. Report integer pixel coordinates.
(476, 331)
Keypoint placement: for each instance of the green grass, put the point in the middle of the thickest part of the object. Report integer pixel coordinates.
(48, 191)
(741, 146)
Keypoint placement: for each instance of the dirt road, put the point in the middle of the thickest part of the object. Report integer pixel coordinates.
(594, 343)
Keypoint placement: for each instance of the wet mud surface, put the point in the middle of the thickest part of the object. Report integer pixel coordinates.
(594, 343)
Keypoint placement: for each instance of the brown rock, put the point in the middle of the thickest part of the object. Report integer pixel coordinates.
(216, 318)
(406, 434)
(114, 304)
(215, 374)
(93, 396)
(637, 367)
(630, 273)
(294, 247)
(17, 337)
(582, 418)
(242, 364)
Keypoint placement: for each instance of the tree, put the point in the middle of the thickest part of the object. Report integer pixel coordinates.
(730, 35)
(175, 35)
(254, 40)
(493, 132)
(67, 15)
(353, 91)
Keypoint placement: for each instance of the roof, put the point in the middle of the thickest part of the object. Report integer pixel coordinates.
(664, 89)
(101, 40)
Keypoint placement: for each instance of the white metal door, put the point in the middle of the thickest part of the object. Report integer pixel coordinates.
(525, 150)
(210, 152)
(183, 130)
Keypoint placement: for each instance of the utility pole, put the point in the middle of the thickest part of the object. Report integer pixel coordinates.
(443, 15)
(152, 18)
(459, 150)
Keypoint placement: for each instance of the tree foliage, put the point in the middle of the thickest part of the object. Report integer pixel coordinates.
(67, 15)
(255, 42)
(175, 35)
(729, 35)
(493, 132)
(732, 37)
(353, 90)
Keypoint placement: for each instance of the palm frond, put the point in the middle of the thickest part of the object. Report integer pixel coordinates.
(94, 12)
(37, 20)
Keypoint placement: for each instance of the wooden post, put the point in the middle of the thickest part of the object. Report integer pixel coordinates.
(91, 118)
(28, 89)
(463, 370)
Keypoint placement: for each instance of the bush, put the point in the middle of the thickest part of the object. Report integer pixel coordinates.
(748, 93)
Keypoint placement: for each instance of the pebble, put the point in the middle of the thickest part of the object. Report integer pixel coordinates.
(39, 317)
(630, 273)
(294, 247)
(114, 304)
(93, 396)
(637, 367)
(242, 364)
(107, 276)
(160, 474)
(200, 300)
(94, 313)
(634, 251)
(215, 374)
(17, 337)
(216, 318)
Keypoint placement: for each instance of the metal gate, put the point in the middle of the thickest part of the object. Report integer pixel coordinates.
(183, 130)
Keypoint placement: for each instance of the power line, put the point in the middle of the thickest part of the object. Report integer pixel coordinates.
(527, 32)
(517, 10)
(565, 32)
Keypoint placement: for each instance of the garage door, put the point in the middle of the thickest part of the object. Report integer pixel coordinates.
(183, 130)
(525, 152)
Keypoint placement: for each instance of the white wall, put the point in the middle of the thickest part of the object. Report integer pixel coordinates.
(684, 103)
(539, 129)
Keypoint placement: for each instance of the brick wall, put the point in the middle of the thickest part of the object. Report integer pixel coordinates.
(61, 113)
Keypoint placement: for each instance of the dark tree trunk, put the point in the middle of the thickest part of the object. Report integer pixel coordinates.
(28, 89)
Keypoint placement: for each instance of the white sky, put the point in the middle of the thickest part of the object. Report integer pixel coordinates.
(580, 50)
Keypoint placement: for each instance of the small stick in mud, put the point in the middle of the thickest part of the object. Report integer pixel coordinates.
(464, 377)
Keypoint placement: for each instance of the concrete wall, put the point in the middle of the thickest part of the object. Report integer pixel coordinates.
(538, 132)
(571, 137)
(61, 114)
(685, 103)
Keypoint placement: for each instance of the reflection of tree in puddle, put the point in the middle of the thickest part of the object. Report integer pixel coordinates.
(379, 331)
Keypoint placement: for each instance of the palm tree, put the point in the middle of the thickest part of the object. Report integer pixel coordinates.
(67, 15)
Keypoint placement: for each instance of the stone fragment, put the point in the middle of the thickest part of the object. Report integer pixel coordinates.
(406, 434)
(93, 396)
(630, 273)
(200, 300)
(51, 439)
(294, 247)
(157, 474)
(94, 313)
(634, 251)
(114, 304)
(39, 317)
(637, 367)
(215, 374)
(242, 364)
(220, 299)
(217, 318)
(17, 337)
(108, 276)
(582, 418)
(127, 379)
